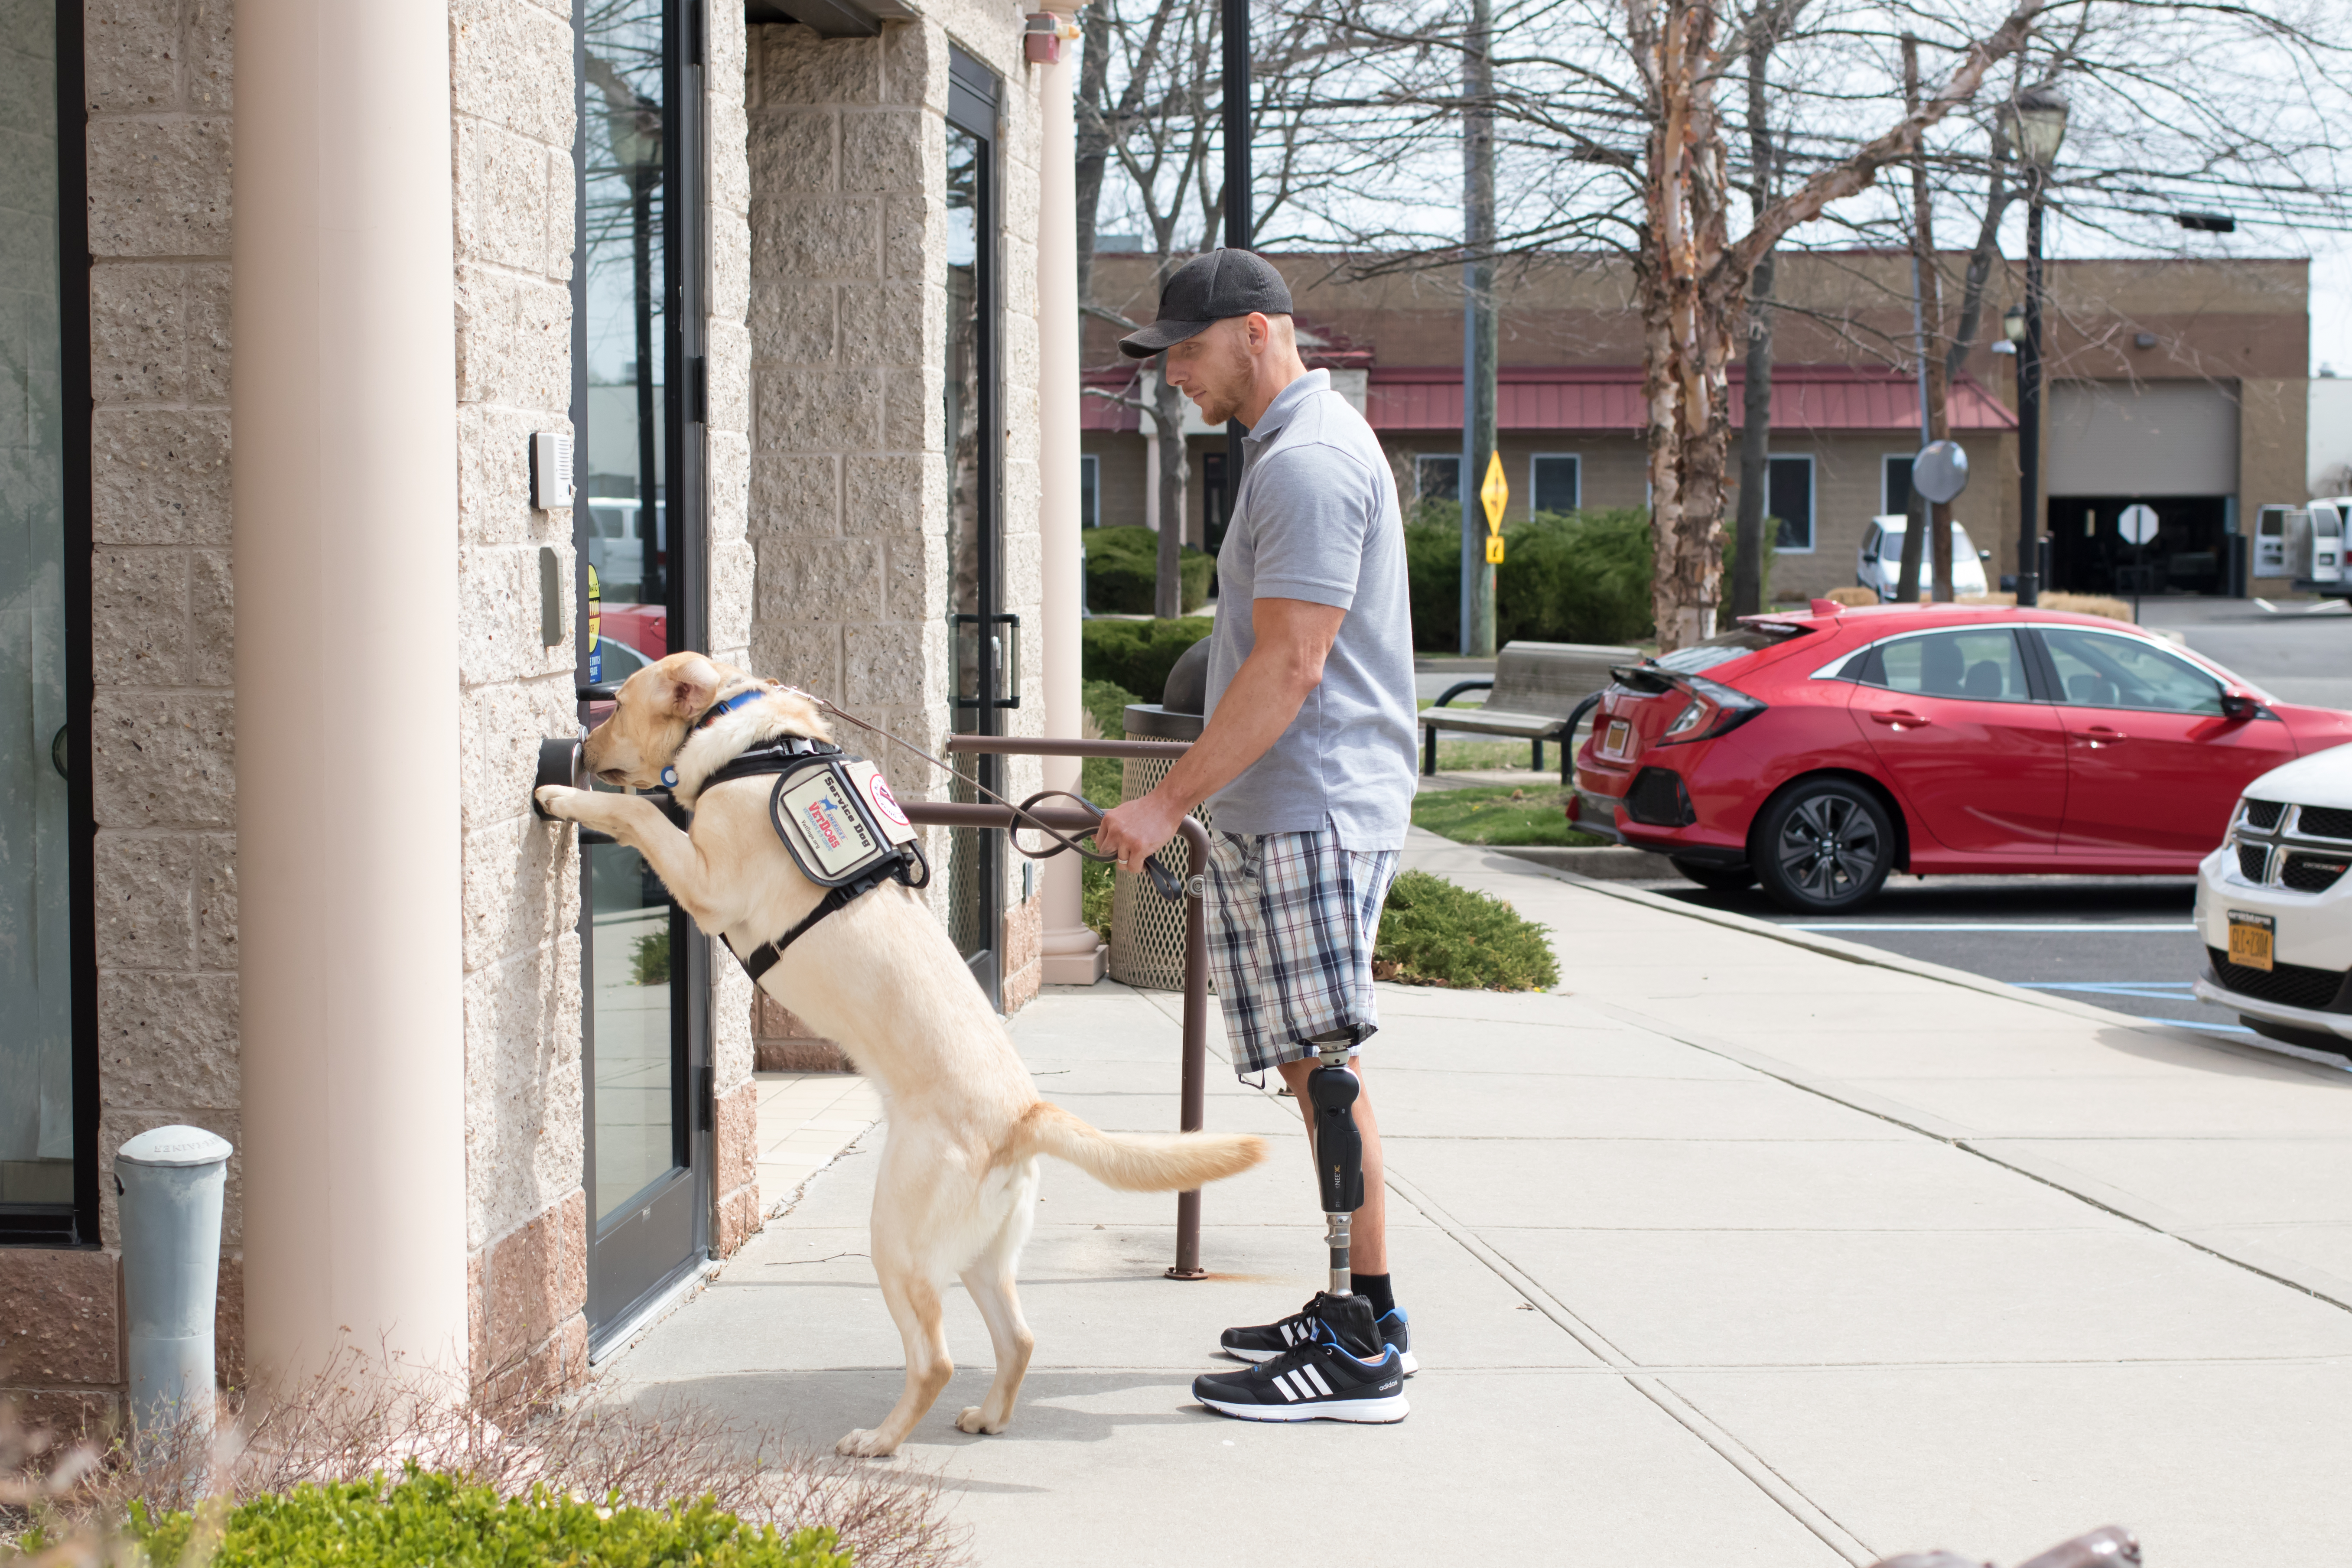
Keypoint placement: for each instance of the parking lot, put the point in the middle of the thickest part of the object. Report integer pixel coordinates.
(2123, 943)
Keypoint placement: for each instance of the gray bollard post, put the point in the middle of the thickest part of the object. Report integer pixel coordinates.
(170, 1181)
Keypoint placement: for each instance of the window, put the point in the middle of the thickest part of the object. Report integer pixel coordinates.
(2095, 670)
(1980, 665)
(1437, 479)
(1895, 482)
(1212, 501)
(1555, 483)
(1789, 501)
(1089, 491)
(49, 1045)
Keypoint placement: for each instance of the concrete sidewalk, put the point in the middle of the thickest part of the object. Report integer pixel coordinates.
(1746, 1246)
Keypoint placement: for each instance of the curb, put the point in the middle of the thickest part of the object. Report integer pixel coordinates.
(1608, 863)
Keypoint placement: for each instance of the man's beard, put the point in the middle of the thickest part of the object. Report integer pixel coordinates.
(1221, 402)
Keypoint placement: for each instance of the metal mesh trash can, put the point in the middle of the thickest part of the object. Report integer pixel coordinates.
(1146, 931)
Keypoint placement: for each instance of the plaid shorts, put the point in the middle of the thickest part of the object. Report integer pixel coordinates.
(1292, 918)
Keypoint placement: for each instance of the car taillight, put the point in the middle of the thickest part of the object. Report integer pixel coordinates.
(1714, 709)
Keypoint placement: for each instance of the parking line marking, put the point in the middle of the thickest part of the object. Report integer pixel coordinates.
(2151, 989)
(2120, 929)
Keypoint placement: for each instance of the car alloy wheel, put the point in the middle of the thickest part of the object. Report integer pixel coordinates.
(1826, 845)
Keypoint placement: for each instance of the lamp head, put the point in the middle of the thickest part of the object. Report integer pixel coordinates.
(2013, 323)
(2038, 123)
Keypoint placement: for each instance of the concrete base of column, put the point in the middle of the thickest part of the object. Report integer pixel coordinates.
(1074, 957)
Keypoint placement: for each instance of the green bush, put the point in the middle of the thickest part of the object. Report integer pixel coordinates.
(1137, 654)
(1123, 572)
(1433, 933)
(1099, 777)
(426, 1518)
(1579, 576)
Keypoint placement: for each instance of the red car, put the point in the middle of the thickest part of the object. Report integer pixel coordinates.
(1818, 753)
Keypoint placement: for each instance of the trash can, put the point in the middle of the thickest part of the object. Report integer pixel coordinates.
(1146, 931)
(170, 1181)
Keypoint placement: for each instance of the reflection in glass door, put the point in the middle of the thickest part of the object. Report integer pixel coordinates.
(636, 524)
(44, 400)
(977, 628)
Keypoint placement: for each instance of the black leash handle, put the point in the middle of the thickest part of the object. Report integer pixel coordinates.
(1164, 883)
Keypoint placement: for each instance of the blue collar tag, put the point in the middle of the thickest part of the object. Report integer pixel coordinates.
(669, 778)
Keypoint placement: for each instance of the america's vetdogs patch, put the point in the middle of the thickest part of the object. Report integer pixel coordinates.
(826, 823)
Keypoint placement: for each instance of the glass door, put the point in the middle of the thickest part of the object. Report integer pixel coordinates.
(47, 1108)
(636, 355)
(980, 637)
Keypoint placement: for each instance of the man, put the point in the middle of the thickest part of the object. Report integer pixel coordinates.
(1307, 763)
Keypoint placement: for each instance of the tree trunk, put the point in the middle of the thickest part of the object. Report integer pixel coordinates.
(1168, 411)
(1480, 346)
(1094, 143)
(1748, 585)
(1929, 291)
(1686, 313)
(1692, 283)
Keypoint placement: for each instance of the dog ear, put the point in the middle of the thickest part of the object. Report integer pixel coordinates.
(693, 686)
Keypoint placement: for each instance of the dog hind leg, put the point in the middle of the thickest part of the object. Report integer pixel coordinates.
(914, 1303)
(994, 1286)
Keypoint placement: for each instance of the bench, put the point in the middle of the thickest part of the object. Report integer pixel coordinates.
(1538, 693)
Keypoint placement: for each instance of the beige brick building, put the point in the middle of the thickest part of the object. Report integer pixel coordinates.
(2180, 384)
(294, 620)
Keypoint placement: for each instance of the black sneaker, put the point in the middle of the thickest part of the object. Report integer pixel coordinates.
(1320, 1380)
(1303, 1327)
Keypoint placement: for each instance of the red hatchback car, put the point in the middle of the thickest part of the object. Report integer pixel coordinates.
(1819, 753)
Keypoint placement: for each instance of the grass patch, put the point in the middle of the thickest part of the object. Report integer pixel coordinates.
(1433, 933)
(1501, 815)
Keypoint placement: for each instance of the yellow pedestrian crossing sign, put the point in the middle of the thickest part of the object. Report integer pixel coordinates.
(1494, 494)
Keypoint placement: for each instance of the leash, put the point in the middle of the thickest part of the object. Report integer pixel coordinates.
(1164, 882)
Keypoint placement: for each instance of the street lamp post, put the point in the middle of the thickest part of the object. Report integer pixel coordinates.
(2037, 127)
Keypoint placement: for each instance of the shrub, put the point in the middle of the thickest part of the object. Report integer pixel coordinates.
(1503, 815)
(649, 961)
(427, 1518)
(1579, 576)
(1433, 933)
(1123, 572)
(1138, 655)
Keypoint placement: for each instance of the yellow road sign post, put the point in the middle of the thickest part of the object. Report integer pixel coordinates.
(1495, 495)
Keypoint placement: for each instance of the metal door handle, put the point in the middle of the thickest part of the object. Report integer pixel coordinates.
(1901, 718)
(2100, 735)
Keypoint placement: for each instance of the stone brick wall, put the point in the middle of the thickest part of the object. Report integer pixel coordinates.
(157, 88)
(735, 1190)
(848, 336)
(512, 98)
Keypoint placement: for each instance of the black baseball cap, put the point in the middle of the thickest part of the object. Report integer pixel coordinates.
(1206, 290)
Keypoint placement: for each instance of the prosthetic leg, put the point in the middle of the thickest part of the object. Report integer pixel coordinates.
(1332, 1089)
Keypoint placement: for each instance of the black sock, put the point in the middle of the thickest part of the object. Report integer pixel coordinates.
(1376, 1287)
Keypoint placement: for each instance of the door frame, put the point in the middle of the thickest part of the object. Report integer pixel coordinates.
(640, 1254)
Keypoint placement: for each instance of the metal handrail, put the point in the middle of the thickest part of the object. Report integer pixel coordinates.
(1193, 1089)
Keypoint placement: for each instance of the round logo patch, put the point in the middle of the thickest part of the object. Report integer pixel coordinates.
(878, 791)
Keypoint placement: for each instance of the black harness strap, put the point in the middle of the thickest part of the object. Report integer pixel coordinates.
(765, 957)
(779, 759)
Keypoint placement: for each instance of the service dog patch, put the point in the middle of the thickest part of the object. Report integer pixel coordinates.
(818, 816)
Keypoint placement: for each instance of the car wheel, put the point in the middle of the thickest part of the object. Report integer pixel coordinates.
(1716, 879)
(1824, 846)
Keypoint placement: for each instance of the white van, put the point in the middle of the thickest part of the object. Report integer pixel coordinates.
(1878, 564)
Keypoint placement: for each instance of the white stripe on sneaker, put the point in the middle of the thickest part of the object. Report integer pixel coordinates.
(1282, 1382)
(1308, 1371)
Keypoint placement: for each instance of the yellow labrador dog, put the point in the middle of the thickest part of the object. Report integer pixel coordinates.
(958, 1183)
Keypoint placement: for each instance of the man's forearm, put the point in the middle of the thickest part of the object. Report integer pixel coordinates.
(1264, 697)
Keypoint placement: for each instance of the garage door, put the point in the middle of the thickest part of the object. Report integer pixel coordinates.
(2155, 438)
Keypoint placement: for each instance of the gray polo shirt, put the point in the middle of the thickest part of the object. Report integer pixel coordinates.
(1318, 520)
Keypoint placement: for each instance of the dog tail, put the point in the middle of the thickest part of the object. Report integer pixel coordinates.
(1133, 1162)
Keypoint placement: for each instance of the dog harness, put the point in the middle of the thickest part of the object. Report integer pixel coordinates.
(836, 816)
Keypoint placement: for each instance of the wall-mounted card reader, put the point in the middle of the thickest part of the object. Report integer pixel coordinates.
(551, 469)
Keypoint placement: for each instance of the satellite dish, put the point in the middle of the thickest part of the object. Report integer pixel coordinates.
(1940, 471)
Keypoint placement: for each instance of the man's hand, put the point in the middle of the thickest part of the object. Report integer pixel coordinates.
(1134, 832)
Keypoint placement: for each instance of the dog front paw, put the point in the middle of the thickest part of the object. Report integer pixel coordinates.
(973, 1422)
(865, 1445)
(552, 798)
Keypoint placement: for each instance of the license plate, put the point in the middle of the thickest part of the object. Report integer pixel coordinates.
(2250, 940)
(1615, 742)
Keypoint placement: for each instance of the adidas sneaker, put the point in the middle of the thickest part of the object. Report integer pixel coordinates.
(1268, 1341)
(1320, 1380)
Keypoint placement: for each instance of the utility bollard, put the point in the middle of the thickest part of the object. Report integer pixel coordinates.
(170, 1181)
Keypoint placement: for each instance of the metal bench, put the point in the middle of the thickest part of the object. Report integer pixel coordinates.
(1539, 692)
